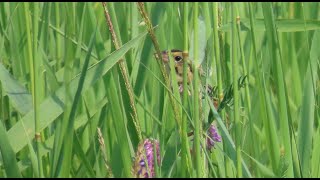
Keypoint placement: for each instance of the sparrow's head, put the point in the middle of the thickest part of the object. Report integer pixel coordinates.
(176, 55)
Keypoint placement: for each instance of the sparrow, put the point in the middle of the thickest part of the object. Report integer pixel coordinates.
(176, 55)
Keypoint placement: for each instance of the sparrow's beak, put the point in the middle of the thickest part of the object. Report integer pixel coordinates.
(165, 57)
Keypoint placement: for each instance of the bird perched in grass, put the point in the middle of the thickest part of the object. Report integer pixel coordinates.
(177, 56)
(178, 66)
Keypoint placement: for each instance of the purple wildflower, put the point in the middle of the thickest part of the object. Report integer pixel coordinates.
(145, 150)
(213, 137)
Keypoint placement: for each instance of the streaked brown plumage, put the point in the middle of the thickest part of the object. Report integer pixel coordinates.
(178, 66)
(176, 55)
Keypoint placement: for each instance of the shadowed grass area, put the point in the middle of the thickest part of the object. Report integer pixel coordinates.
(85, 87)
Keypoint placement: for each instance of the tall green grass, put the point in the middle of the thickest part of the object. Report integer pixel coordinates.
(77, 96)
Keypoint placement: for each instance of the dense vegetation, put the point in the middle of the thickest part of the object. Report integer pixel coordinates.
(83, 86)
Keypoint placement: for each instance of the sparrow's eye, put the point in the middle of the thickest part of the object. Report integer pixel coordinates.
(178, 58)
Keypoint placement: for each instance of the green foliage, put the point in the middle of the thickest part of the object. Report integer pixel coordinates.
(60, 76)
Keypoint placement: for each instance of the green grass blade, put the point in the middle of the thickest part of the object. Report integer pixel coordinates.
(235, 75)
(305, 130)
(196, 99)
(19, 97)
(147, 53)
(81, 154)
(186, 157)
(283, 25)
(8, 155)
(56, 102)
(66, 152)
(263, 169)
(43, 47)
(315, 161)
(273, 45)
(228, 140)
(267, 120)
